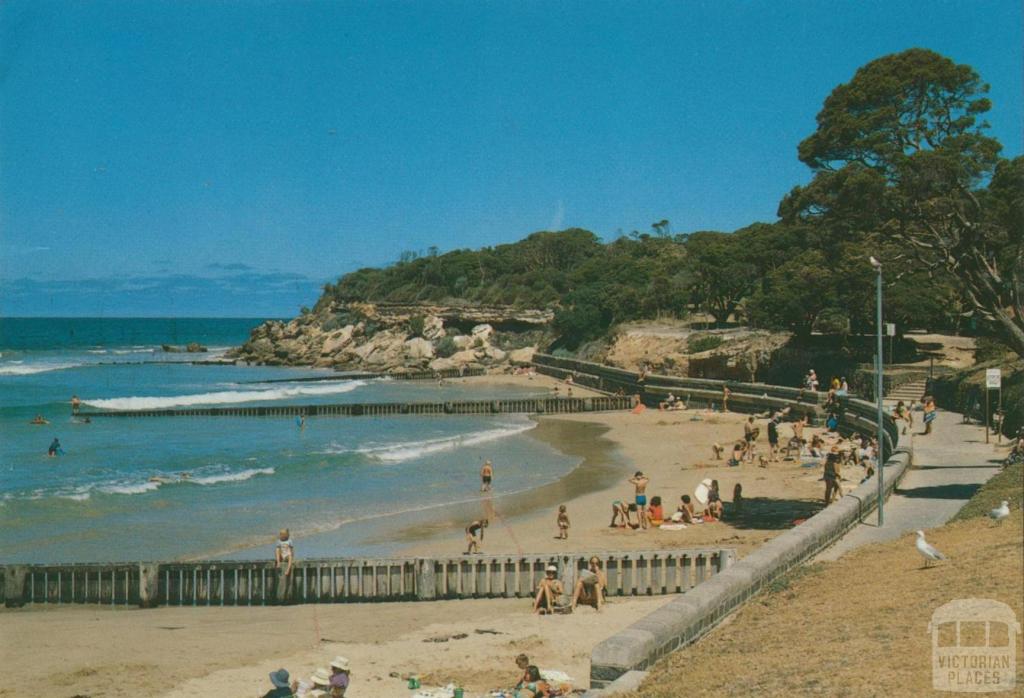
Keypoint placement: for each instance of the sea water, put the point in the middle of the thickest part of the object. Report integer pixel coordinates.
(117, 490)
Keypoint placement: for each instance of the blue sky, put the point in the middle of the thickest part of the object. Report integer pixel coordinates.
(227, 158)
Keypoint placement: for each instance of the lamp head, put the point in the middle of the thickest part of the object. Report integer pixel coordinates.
(875, 264)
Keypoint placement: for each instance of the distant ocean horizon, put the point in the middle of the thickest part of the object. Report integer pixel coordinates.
(117, 491)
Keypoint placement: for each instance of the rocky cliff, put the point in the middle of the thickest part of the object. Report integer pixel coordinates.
(396, 337)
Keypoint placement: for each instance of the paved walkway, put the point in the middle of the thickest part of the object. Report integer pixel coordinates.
(950, 465)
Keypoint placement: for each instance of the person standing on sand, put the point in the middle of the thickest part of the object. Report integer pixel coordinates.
(832, 477)
(639, 481)
(486, 476)
(472, 540)
(726, 394)
(773, 439)
(284, 554)
(563, 523)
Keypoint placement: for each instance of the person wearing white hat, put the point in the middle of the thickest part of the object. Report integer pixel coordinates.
(321, 678)
(549, 591)
(339, 676)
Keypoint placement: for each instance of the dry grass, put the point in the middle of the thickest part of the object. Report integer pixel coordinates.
(854, 627)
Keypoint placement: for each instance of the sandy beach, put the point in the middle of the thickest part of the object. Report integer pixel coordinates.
(229, 651)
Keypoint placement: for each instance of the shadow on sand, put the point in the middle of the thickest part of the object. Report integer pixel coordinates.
(764, 513)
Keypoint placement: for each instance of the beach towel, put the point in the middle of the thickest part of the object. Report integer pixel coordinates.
(672, 526)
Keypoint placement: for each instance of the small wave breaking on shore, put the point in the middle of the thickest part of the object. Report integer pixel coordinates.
(410, 450)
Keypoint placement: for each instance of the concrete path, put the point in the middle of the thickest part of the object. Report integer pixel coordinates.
(950, 465)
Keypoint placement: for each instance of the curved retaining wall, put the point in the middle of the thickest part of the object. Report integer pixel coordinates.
(685, 619)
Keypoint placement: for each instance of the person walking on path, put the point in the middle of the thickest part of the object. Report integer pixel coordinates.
(929, 414)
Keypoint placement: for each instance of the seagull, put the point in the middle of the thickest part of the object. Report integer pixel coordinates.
(1000, 513)
(930, 554)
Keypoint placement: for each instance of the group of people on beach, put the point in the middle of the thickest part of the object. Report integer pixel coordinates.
(589, 589)
(641, 515)
(326, 682)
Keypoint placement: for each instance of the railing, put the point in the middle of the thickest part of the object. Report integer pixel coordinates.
(241, 583)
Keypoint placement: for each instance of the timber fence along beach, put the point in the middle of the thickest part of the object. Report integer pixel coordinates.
(246, 583)
(552, 405)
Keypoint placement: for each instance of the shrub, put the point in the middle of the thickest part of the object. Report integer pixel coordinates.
(445, 347)
(703, 342)
(416, 325)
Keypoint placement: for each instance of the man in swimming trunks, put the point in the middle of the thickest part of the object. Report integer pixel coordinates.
(639, 481)
(472, 541)
(486, 475)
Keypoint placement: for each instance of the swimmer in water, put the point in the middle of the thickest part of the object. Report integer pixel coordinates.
(39, 419)
(55, 448)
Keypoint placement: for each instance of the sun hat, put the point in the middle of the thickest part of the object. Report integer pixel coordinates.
(340, 662)
(279, 678)
(321, 677)
(551, 568)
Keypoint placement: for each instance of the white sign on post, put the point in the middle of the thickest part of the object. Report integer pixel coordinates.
(993, 378)
(890, 329)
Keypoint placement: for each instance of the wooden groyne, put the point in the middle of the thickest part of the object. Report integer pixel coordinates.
(386, 409)
(349, 580)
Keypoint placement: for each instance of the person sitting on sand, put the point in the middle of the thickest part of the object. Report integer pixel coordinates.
(655, 513)
(717, 449)
(590, 586)
(817, 446)
(475, 536)
(714, 506)
(523, 662)
(667, 403)
(549, 591)
(686, 509)
(563, 523)
(534, 686)
(281, 689)
(39, 419)
(737, 454)
(340, 676)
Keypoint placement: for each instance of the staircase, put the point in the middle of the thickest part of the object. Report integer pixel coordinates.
(909, 391)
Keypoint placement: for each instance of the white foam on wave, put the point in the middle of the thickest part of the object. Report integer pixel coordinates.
(222, 397)
(410, 450)
(230, 477)
(17, 368)
(130, 487)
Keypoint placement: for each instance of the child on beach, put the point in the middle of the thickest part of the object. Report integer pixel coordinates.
(563, 523)
(714, 508)
(717, 449)
(472, 541)
(639, 482)
(737, 454)
(655, 513)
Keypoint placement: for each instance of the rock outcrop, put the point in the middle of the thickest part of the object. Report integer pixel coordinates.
(393, 338)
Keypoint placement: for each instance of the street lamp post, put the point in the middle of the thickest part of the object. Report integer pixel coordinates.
(879, 383)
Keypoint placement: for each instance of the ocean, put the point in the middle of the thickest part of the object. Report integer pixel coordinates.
(116, 491)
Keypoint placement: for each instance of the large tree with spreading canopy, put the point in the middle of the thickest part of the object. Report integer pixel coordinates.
(902, 159)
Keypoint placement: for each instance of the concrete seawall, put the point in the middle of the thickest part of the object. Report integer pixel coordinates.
(242, 583)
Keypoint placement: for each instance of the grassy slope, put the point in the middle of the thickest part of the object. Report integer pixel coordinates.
(858, 626)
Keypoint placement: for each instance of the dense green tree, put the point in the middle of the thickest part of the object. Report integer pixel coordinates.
(721, 273)
(901, 157)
